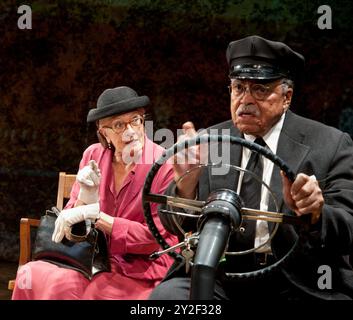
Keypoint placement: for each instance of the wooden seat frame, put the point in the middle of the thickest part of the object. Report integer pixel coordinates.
(65, 184)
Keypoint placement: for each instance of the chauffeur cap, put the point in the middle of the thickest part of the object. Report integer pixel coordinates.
(254, 57)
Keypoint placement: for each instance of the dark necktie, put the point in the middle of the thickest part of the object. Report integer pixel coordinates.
(250, 193)
(251, 188)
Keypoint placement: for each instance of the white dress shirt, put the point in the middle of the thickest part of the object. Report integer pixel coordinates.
(271, 139)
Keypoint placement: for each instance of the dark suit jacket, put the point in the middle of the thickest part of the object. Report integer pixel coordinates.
(314, 149)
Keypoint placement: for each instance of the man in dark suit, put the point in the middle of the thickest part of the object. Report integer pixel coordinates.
(262, 76)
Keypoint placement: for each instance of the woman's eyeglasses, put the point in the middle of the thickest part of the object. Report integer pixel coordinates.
(120, 126)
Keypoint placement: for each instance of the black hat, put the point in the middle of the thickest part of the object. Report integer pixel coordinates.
(116, 101)
(258, 58)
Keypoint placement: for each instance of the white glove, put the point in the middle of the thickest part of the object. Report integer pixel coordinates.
(69, 217)
(89, 179)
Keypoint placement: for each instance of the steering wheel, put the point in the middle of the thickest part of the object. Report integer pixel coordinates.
(223, 203)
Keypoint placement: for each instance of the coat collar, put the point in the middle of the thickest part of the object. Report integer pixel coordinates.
(136, 178)
(292, 149)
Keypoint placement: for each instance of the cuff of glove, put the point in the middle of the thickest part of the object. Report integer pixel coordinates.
(91, 211)
(88, 197)
(105, 223)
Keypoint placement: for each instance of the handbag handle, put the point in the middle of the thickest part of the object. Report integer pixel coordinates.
(79, 231)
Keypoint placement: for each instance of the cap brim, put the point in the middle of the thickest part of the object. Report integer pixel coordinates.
(117, 108)
(256, 71)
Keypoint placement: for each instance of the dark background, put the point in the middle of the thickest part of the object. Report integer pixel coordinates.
(172, 50)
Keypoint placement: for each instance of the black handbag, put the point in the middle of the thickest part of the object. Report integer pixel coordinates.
(88, 254)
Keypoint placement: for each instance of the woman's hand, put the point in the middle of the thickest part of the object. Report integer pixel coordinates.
(67, 218)
(89, 179)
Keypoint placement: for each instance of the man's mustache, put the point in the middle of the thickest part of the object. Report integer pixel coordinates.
(248, 109)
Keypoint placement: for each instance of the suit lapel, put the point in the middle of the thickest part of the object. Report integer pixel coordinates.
(292, 150)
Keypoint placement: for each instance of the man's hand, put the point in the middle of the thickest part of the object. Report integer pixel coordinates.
(186, 160)
(69, 217)
(303, 196)
(89, 179)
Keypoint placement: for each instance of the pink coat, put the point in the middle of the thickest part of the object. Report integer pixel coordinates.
(133, 275)
(131, 241)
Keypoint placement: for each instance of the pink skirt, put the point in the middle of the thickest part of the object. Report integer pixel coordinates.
(39, 280)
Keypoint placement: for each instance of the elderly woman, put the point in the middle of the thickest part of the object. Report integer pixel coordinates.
(108, 192)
